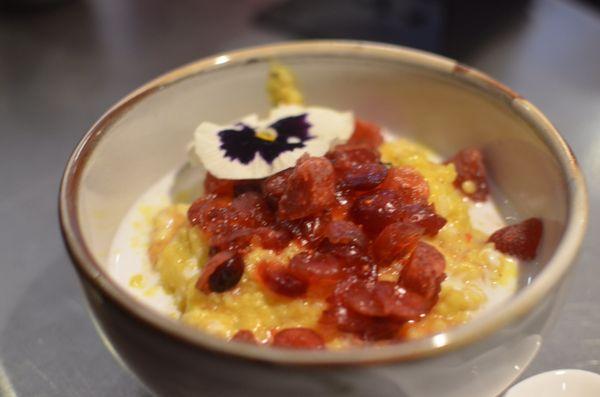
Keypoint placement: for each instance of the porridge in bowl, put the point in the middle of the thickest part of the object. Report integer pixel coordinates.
(316, 229)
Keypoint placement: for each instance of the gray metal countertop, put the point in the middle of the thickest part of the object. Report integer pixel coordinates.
(59, 70)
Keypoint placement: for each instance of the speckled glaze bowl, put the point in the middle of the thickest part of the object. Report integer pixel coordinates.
(437, 101)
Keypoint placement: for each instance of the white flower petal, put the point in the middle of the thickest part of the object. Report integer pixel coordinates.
(327, 127)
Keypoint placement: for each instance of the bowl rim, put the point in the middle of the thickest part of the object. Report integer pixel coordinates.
(523, 302)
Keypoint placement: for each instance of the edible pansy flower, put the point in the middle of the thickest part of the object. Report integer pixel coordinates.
(256, 148)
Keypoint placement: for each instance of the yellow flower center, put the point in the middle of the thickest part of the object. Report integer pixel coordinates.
(268, 134)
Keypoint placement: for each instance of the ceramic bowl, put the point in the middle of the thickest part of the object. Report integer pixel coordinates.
(435, 100)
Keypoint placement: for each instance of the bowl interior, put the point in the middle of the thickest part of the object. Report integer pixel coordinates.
(424, 97)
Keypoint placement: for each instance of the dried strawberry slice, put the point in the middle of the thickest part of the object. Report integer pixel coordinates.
(361, 298)
(365, 176)
(376, 210)
(316, 266)
(521, 240)
(221, 273)
(345, 232)
(274, 186)
(424, 272)
(310, 189)
(298, 338)
(221, 187)
(281, 280)
(423, 216)
(245, 336)
(367, 328)
(348, 155)
(395, 242)
(400, 304)
(408, 183)
(355, 262)
(309, 230)
(274, 239)
(207, 209)
(470, 169)
(252, 210)
(366, 133)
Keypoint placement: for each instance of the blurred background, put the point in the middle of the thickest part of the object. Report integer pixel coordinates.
(63, 63)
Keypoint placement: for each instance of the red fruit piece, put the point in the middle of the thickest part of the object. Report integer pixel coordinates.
(361, 298)
(316, 266)
(221, 187)
(274, 239)
(200, 210)
(365, 176)
(309, 229)
(520, 240)
(240, 239)
(345, 232)
(280, 280)
(252, 210)
(221, 273)
(310, 189)
(244, 336)
(298, 338)
(469, 167)
(247, 185)
(408, 183)
(366, 133)
(383, 299)
(399, 303)
(346, 156)
(424, 272)
(355, 261)
(395, 242)
(376, 210)
(366, 328)
(274, 186)
(423, 216)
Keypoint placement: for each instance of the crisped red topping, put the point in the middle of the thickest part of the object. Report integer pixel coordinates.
(376, 210)
(362, 176)
(423, 216)
(408, 183)
(520, 240)
(298, 338)
(310, 189)
(274, 186)
(366, 133)
(281, 280)
(350, 215)
(316, 266)
(395, 242)
(470, 168)
(221, 187)
(221, 273)
(245, 336)
(346, 156)
(424, 272)
(345, 232)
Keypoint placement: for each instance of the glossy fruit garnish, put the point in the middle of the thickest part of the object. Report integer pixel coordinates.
(395, 242)
(282, 280)
(221, 273)
(245, 336)
(367, 134)
(310, 189)
(350, 216)
(298, 338)
(471, 176)
(521, 240)
(408, 183)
